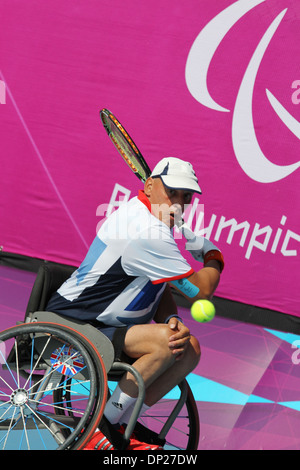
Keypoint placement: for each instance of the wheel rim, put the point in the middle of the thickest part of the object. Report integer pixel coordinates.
(29, 416)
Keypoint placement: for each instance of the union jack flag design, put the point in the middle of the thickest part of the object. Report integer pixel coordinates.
(67, 360)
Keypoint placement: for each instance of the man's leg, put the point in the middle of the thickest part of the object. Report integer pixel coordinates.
(175, 374)
(148, 345)
(156, 362)
(160, 368)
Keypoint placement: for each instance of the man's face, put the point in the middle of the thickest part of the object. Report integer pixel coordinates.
(167, 204)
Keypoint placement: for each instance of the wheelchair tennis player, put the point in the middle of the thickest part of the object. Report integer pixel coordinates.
(123, 288)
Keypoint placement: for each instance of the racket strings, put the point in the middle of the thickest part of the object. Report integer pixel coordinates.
(124, 153)
(124, 133)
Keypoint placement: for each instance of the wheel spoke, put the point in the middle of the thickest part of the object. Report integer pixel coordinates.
(39, 433)
(9, 428)
(42, 421)
(6, 410)
(37, 361)
(24, 429)
(6, 364)
(57, 407)
(17, 362)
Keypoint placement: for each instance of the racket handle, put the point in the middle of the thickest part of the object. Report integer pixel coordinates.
(185, 229)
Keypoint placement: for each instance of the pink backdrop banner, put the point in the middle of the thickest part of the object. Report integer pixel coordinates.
(215, 83)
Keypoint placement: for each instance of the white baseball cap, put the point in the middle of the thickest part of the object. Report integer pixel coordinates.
(176, 174)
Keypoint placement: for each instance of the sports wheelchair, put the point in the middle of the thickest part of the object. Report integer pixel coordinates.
(56, 374)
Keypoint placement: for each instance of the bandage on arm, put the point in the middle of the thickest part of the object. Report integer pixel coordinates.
(200, 285)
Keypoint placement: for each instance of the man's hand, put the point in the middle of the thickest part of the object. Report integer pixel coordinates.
(199, 246)
(179, 341)
(203, 250)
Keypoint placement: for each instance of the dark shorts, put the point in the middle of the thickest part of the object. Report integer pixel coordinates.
(117, 336)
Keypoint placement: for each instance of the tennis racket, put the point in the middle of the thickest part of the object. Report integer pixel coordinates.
(131, 155)
(125, 145)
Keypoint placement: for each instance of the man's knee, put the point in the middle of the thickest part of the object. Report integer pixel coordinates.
(148, 339)
(193, 353)
(161, 338)
(196, 349)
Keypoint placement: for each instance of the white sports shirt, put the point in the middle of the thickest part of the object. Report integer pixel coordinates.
(124, 274)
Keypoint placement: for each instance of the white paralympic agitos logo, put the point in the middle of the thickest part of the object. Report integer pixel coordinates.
(246, 147)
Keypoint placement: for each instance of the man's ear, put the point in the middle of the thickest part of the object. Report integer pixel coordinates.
(148, 186)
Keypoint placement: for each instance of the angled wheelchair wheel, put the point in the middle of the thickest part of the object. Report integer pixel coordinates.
(172, 422)
(177, 423)
(53, 388)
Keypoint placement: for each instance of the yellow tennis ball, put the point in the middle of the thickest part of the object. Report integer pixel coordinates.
(203, 310)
